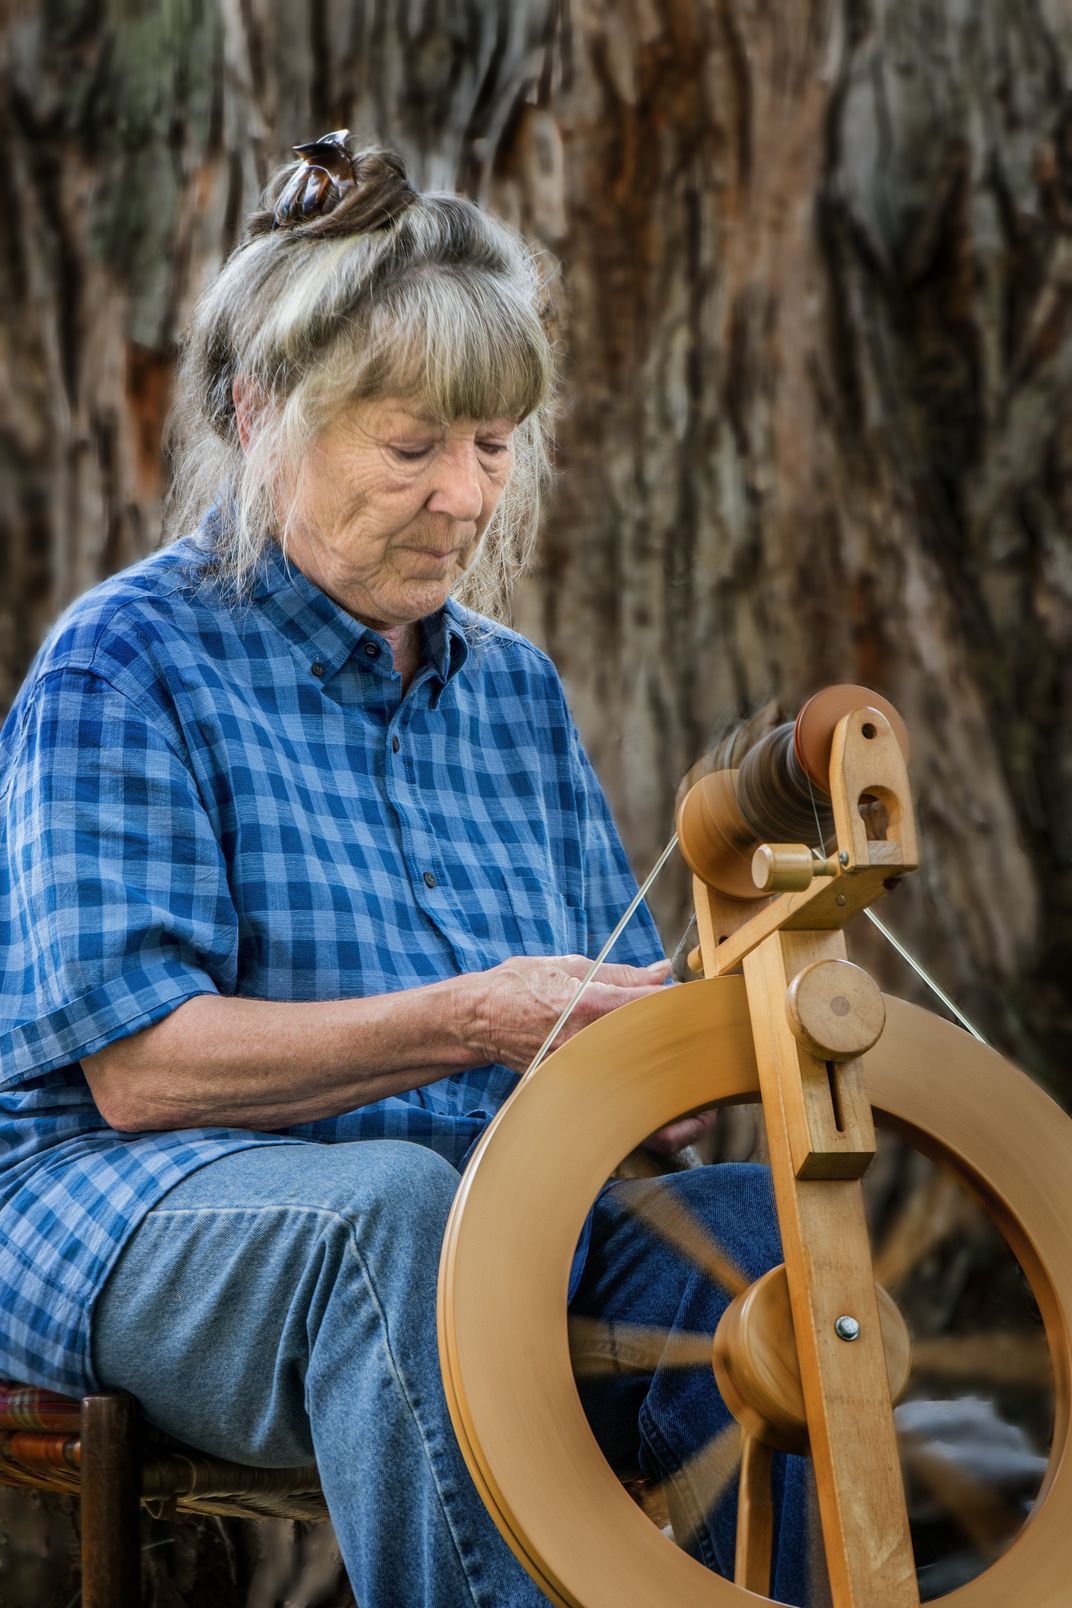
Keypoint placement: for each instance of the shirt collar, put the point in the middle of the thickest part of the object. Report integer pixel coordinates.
(315, 623)
(446, 639)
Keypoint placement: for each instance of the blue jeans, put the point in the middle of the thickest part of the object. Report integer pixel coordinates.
(279, 1306)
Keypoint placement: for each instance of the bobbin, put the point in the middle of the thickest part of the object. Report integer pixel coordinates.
(780, 795)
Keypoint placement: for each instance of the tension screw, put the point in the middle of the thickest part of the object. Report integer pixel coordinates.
(846, 1327)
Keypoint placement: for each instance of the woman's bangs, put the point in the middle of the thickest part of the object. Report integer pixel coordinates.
(462, 349)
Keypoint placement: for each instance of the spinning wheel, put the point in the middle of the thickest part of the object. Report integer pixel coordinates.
(792, 1029)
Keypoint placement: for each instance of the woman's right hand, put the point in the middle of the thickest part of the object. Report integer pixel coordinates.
(511, 1008)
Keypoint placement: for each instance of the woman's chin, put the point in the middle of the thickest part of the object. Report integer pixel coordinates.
(422, 590)
(425, 594)
(420, 598)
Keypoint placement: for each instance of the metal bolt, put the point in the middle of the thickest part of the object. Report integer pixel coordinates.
(840, 900)
(844, 857)
(846, 1327)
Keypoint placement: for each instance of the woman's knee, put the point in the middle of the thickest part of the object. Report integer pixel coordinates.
(735, 1203)
(388, 1202)
(361, 1181)
(407, 1182)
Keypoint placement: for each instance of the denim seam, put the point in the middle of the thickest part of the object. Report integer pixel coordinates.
(480, 1599)
(671, 1471)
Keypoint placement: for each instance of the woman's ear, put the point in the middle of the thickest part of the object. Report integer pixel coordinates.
(246, 407)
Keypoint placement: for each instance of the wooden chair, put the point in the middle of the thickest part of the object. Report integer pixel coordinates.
(101, 1449)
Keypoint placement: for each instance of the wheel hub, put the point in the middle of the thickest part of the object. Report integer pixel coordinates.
(754, 1355)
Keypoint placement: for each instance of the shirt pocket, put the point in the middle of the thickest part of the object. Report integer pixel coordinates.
(537, 914)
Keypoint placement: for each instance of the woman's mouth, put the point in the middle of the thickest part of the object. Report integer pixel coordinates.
(439, 555)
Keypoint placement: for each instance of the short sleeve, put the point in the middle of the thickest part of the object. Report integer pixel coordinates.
(607, 877)
(114, 899)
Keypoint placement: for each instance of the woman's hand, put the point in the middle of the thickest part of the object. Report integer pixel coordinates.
(679, 1133)
(523, 997)
(516, 1003)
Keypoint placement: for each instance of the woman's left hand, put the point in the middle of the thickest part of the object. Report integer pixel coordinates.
(679, 1133)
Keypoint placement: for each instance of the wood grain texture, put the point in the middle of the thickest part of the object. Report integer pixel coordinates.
(835, 1009)
(828, 1264)
(503, 1323)
(758, 1369)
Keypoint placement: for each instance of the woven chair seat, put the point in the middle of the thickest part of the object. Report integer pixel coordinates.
(41, 1448)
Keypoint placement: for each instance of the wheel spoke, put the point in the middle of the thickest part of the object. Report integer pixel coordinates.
(925, 1219)
(1000, 1359)
(666, 1216)
(599, 1347)
(984, 1514)
(709, 1472)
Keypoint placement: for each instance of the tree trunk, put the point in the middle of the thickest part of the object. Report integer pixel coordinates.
(820, 294)
(816, 291)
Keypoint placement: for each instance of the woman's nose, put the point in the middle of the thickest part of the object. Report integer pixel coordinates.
(457, 490)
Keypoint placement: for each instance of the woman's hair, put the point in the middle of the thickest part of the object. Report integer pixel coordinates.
(357, 289)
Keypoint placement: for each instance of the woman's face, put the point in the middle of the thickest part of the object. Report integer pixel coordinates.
(390, 507)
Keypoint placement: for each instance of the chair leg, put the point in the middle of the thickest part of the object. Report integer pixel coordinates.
(111, 1491)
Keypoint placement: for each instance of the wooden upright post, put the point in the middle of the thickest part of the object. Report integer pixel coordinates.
(111, 1490)
(835, 1310)
(813, 1017)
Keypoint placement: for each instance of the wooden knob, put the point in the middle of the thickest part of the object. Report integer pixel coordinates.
(835, 1010)
(782, 867)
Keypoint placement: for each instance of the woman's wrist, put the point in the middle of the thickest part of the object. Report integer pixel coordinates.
(466, 1019)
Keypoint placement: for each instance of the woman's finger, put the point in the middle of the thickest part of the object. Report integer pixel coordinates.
(614, 972)
(599, 998)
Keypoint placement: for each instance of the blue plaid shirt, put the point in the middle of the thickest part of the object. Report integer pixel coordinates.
(204, 798)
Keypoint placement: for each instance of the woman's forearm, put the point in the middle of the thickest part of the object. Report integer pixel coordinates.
(253, 1063)
(250, 1063)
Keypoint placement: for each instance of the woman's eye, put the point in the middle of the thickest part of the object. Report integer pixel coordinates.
(494, 447)
(411, 454)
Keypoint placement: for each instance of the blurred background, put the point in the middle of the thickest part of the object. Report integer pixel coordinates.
(813, 265)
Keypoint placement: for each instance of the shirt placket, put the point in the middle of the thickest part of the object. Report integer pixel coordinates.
(422, 852)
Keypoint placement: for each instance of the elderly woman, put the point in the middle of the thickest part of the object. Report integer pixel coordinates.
(301, 858)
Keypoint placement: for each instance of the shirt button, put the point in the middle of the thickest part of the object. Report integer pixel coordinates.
(395, 745)
(317, 667)
(371, 651)
(429, 877)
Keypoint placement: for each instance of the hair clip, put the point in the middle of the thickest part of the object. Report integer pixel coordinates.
(319, 185)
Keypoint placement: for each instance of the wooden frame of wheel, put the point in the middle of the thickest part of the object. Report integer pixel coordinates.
(520, 1209)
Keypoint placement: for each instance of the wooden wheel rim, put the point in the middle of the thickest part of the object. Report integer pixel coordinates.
(509, 1244)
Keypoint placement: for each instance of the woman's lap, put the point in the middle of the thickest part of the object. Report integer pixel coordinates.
(267, 1276)
(241, 1251)
(280, 1304)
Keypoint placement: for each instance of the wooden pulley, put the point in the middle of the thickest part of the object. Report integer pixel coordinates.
(758, 1371)
(715, 839)
(813, 732)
